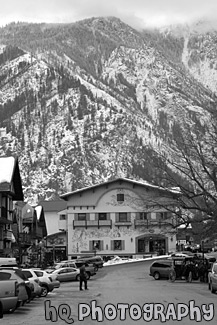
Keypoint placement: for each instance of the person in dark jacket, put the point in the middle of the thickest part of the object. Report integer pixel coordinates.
(83, 277)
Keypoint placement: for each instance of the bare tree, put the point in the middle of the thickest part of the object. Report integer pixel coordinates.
(191, 165)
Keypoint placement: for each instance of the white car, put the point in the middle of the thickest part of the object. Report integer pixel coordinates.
(47, 282)
(34, 280)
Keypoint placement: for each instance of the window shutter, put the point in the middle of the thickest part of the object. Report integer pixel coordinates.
(112, 245)
(87, 216)
(76, 216)
(96, 216)
(101, 245)
(90, 245)
(107, 216)
(123, 245)
(158, 216)
(149, 216)
(137, 215)
(128, 216)
(116, 217)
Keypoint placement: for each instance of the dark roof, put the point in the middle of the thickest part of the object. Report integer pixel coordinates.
(10, 166)
(58, 205)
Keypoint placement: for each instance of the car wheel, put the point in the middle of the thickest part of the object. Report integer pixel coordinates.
(211, 288)
(44, 291)
(156, 275)
(77, 277)
(96, 268)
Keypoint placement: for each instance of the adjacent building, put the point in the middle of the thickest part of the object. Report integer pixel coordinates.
(121, 217)
(10, 190)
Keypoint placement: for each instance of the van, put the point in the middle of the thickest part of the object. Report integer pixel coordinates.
(161, 269)
(8, 261)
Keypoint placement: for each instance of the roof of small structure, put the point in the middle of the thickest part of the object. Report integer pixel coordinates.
(57, 205)
(10, 174)
(141, 183)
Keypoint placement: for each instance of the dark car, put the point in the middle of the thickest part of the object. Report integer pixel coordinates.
(161, 269)
(97, 261)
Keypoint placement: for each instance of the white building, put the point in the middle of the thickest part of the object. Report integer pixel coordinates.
(121, 217)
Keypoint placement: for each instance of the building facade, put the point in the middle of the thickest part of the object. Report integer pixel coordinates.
(10, 190)
(121, 217)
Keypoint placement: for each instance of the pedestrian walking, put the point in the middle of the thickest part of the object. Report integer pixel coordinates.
(83, 277)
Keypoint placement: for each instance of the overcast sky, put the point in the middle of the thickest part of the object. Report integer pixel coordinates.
(137, 13)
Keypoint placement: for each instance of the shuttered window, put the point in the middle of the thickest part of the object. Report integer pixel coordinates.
(82, 216)
(96, 245)
(117, 245)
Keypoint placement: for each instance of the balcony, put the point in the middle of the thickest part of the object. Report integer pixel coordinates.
(123, 223)
(154, 223)
(92, 223)
(7, 234)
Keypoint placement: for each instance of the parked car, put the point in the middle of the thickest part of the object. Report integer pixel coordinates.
(161, 269)
(10, 274)
(97, 261)
(212, 278)
(34, 280)
(28, 284)
(90, 268)
(47, 281)
(8, 295)
(67, 274)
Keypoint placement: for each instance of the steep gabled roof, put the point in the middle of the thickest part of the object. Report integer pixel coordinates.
(120, 180)
(10, 180)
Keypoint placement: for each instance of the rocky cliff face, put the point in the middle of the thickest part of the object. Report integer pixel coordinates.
(81, 103)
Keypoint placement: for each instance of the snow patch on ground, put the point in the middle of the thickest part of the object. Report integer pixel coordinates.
(119, 260)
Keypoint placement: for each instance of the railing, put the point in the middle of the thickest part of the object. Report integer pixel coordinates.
(123, 223)
(7, 234)
(154, 223)
(92, 223)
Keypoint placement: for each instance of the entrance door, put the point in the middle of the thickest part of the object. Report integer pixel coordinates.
(158, 246)
(141, 245)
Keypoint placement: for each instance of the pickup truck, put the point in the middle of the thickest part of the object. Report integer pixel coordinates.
(8, 296)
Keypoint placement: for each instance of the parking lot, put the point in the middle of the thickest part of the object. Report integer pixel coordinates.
(114, 285)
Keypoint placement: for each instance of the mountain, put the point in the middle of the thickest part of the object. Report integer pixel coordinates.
(82, 103)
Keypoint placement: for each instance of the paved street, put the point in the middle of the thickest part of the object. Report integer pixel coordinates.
(115, 285)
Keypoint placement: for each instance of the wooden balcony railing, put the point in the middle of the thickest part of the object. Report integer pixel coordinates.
(92, 223)
(154, 223)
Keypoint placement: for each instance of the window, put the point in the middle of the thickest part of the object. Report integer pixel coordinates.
(164, 215)
(120, 197)
(82, 216)
(122, 216)
(102, 216)
(28, 274)
(96, 244)
(117, 244)
(62, 217)
(143, 215)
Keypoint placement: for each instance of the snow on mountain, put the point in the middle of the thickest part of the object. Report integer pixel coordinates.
(86, 102)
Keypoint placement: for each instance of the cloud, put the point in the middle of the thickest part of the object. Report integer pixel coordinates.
(134, 12)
